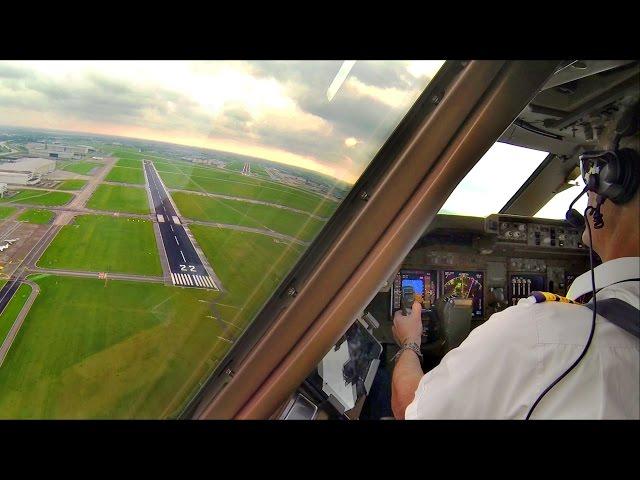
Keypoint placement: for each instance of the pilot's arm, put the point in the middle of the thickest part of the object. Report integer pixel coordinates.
(407, 371)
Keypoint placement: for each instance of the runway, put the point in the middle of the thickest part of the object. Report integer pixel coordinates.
(187, 269)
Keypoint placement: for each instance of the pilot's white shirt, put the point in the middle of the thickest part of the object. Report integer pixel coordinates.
(502, 367)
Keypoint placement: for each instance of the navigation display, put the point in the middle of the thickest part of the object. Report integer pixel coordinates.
(423, 283)
(465, 284)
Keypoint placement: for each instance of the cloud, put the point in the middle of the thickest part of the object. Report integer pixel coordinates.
(391, 96)
(279, 108)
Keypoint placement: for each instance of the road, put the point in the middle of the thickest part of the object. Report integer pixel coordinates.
(109, 276)
(186, 266)
(261, 231)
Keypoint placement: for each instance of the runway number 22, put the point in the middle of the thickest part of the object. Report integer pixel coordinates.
(183, 268)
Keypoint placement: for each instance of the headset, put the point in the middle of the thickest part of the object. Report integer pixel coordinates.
(611, 175)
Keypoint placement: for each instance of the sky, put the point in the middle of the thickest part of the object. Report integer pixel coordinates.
(328, 116)
(493, 180)
(558, 205)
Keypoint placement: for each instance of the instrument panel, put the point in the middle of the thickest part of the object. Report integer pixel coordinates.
(528, 231)
(495, 261)
(432, 284)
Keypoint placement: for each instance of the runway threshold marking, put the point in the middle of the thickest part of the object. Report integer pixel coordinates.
(187, 280)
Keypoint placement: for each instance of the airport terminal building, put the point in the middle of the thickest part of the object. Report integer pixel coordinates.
(25, 170)
(57, 150)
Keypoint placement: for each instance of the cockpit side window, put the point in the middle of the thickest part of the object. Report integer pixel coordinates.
(493, 180)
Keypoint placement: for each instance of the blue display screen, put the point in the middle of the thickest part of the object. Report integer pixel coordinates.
(416, 283)
(423, 283)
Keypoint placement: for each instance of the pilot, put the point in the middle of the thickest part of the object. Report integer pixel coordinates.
(504, 367)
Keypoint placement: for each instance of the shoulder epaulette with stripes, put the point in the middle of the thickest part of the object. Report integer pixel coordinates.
(539, 297)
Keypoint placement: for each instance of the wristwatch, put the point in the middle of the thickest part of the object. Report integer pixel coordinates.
(414, 347)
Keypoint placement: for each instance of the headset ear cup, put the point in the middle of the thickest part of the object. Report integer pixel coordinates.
(629, 174)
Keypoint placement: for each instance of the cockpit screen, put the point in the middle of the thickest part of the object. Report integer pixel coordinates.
(465, 285)
(416, 283)
(423, 283)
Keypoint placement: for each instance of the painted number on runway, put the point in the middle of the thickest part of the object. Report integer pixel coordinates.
(191, 268)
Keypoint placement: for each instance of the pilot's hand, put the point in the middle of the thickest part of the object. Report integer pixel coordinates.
(407, 329)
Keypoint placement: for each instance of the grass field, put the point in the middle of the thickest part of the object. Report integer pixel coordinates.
(90, 349)
(249, 265)
(127, 153)
(259, 170)
(123, 245)
(36, 216)
(129, 162)
(81, 168)
(116, 198)
(235, 166)
(230, 183)
(170, 167)
(72, 185)
(237, 212)
(126, 175)
(11, 311)
(6, 211)
(39, 197)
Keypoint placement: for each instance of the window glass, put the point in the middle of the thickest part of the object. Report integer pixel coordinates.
(556, 208)
(148, 210)
(493, 180)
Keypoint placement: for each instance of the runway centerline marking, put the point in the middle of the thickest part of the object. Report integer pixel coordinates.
(183, 256)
